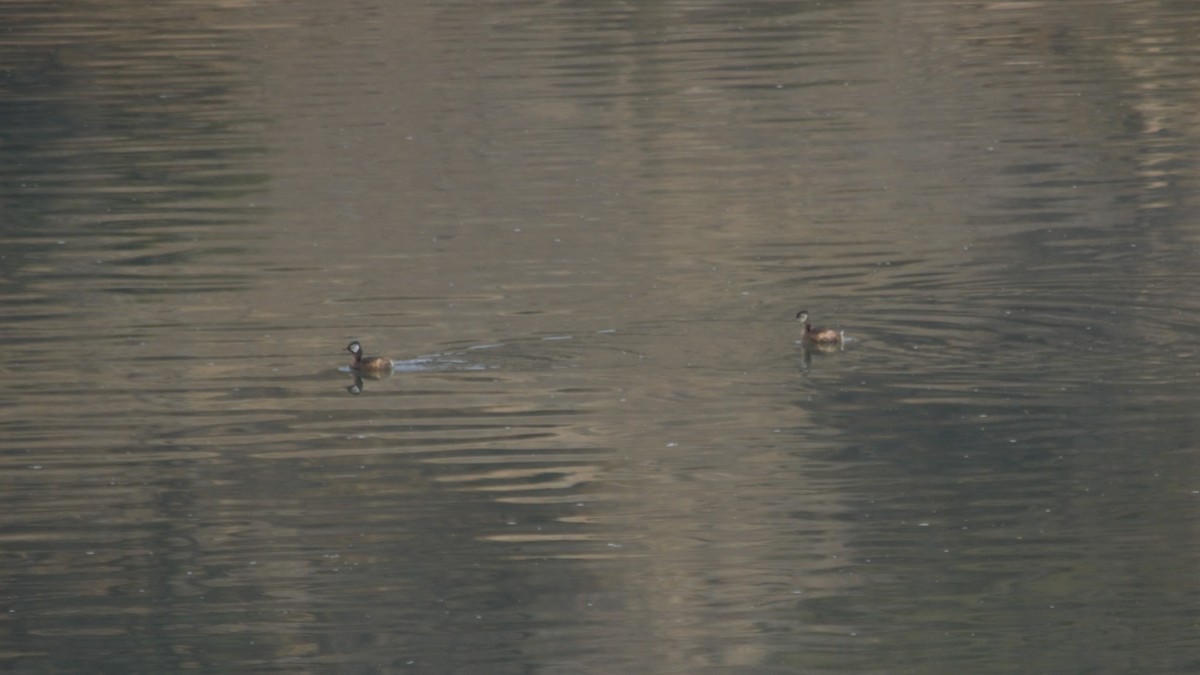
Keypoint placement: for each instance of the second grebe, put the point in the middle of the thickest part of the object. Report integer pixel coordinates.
(819, 336)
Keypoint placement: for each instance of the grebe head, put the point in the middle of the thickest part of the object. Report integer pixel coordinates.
(355, 349)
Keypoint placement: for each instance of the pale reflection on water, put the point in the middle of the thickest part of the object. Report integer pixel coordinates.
(583, 233)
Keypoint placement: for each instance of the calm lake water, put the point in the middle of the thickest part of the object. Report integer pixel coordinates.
(583, 231)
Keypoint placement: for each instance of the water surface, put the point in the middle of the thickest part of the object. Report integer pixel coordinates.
(583, 232)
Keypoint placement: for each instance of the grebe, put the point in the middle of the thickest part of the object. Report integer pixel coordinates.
(371, 365)
(819, 336)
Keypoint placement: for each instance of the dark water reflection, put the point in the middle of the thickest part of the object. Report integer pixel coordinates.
(583, 232)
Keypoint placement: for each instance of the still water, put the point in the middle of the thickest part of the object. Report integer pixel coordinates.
(583, 231)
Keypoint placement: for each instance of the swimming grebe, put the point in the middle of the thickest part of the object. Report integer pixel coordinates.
(819, 336)
(372, 365)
